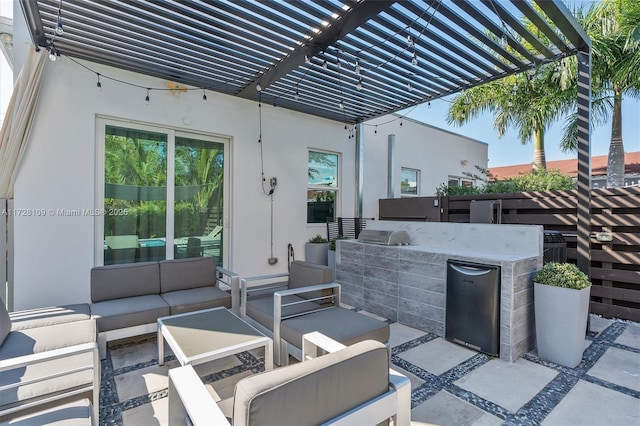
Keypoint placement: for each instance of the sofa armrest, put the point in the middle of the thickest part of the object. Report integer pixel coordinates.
(334, 287)
(26, 360)
(189, 400)
(315, 343)
(232, 280)
(245, 289)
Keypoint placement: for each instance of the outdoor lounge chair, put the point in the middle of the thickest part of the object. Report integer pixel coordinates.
(308, 301)
(350, 385)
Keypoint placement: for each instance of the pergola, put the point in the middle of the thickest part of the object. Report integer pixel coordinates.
(344, 60)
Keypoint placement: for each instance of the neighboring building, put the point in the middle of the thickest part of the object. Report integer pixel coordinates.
(64, 184)
(570, 167)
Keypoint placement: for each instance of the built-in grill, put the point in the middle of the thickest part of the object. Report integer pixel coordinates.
(386, 238)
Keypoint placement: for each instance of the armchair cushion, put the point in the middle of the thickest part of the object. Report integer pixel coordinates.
(42, 317)
(5, 323)
(261, 309)
(314, 391)
(343, 325)
(124, 280)
(42, 339)
(76, 413)
(184, 274)
(196, 299)
(303, 274)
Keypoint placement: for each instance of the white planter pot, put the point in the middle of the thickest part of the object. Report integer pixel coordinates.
(331, 261)
(316, 253)
(561, 323)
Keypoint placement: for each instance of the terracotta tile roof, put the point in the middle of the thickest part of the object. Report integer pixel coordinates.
(570, 167)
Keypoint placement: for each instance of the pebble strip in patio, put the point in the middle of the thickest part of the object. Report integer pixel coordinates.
(451, 384)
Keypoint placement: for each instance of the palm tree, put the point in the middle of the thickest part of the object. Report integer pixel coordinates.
(530, 102)
(614, 29)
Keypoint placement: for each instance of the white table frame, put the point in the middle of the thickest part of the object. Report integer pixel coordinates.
(260, 341)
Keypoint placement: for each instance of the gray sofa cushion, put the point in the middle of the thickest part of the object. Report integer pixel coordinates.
(315, 391)
(5, 323)
(183, 274)
(51, 315)
(302, 274)
(22, 394)
(76, 413)
(196, 299)
(261, 309)
(128, 312)
(119, 281)
(41, 339)
(345, 326)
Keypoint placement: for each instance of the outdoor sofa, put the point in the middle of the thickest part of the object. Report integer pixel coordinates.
(127, 299)
(350, 385)
(49, 366)
(307, 301)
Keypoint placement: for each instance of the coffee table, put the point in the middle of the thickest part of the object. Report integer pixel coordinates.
(202, 336)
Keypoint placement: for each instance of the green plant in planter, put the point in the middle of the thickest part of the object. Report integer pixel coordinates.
(332, 243)
(318, 239)
(565, 275)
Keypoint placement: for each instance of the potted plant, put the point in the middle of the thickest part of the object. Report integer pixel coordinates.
(315, 251)
(561, 301)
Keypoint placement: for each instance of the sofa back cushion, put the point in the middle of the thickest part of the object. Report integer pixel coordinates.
(183, 274)
(5, 322)
(125, 280)
(314, 391)
(303, 274)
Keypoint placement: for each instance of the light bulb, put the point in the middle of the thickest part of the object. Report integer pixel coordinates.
(504, 42)
(324, 64)
(204, 97)
(414, 60)
(359, 85)
(429, 104)
(258, 87)
(409, 41)
(146, 99)
(59, 29)
(341, 105)
(306, 59)
(515, 87)
(52, 54)
(510, 103)
(409, 87)
(357, 68)
(296, 96)
(376, 130)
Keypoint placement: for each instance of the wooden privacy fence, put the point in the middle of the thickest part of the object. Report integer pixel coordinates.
(615, 215)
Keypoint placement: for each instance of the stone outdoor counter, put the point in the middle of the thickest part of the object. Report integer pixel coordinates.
(407, 284)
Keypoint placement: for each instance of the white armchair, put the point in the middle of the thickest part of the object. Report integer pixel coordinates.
(352, 385)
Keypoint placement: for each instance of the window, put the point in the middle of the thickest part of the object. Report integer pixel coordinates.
(409, 182)
(456, 181)
(323, 186)
(162, 196)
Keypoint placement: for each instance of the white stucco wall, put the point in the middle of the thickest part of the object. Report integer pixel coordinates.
(53, 254)
(437, 153)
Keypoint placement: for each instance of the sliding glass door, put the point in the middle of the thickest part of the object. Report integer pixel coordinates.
(162, 194)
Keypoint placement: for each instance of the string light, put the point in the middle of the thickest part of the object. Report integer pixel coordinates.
(357, 67)
(296, 96)
(98, 84)
(359, 85)
(324, 64)
(414, 60)
(376, 130)
(146, 100)
(306, 59)
(258, 87)
(53, 55)
(59, 28)
(341, 104)
(429, 104)
(204, 96)
(409, 86)
(409, 41)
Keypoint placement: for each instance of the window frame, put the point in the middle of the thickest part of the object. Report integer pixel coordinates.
(172, 133)
(335, 189)
(407, 194)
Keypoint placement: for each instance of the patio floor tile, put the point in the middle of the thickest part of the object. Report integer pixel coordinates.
(620, 367)
(509, 385)
(154, 414)
(437, 356)
(589, 404)
(142, 382)
(401, 333)
(598, 324)
(128, 355)
(630, 337)
(445, 409)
